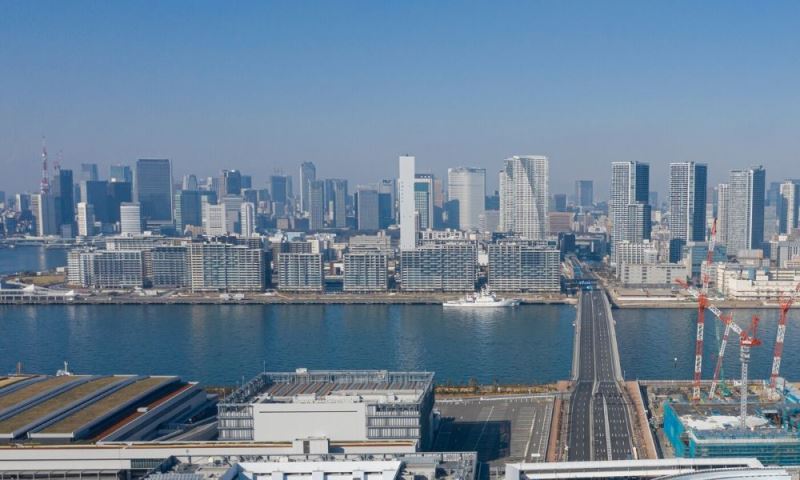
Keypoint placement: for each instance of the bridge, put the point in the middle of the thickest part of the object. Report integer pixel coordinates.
(599, 425)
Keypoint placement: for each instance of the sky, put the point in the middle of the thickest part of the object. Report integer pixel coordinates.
(264, 86)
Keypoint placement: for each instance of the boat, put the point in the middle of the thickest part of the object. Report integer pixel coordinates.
(483, 299)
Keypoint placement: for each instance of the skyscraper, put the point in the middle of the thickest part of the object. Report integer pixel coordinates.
(687, 201)
(152, 187)
(95, 193)
(230, 183)
(745, 222)
(584, 193)
(560, 202)
(405, 192)
(130, 215)
(279, 193)
(630, 184)
(308, 173)
(247, 217)
(387, 192)
(189, 182)
(722, 214)
(63, 191)
(423, 200)
(89, 172)
(789, 199)
(44, 211)
(120, 173)
(336, 202)
(467, 187)
(315, 197)
(368, 209)
(188, 210)
(524, 196)
(117, 193)
(85, 219)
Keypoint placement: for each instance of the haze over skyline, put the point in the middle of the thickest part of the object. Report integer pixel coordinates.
(351, 85)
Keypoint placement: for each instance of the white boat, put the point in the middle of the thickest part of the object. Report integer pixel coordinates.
(484, 299)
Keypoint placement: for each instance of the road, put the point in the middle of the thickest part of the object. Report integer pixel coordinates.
(599, 427)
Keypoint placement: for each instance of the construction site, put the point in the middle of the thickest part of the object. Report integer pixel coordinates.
(747, 416)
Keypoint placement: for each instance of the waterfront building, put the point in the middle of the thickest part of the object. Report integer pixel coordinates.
(745, 210)
(80, 268)
(300, 272)
(354, 406)
(584, 193)
(152, 189)
(467, 188)
(446, 267)
(167, 266)
(744, 282)
(524, 266)
(637, 252)
(315, 198)
(247, 217)
(135, 242)
(789, 201)
(89, 172)
(224, 267)
(85, 219)
(524, 196)
(687, 201)
(188, 210)
(642, 275)
(785, 252)
(630, 185)
(308, 174)
(106, 269)
(43, 207)
(130, 219)
(365, 272)
(408, 216)
(120, 173)
(368, 209)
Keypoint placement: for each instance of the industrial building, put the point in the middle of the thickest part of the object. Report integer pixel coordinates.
(80, 408)
(524, 266)
(713, 430)
(365, 272)
(448, 267)
(362, 405)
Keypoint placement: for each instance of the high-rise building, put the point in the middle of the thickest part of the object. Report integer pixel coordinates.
(64, 193)
(188, 210)
(300, 272)
(315, 198)
(95, 192)
(560, 202)
(524, 196)
(447, 267)
(43, 208)
(220, 266)
(638, 224)
(308, 174)
(789, 200)
(89, 172)
(230, 183)
(405, 187)
(152, 187)
(423, 200)
(336, 202)
(467, 188)
(85, 219)
(386, 202)
(117, 194)
(189, 182)
(247, 216)
(120, 173)
(368, 209)
(745, 222)
(279, 193)
(233, 207)
(214, 220)
(687, 201)
(630, 184)
(519, 266)
(584, 193)
(722, 214)
(365, 272)
(247, 181)
(130, 219)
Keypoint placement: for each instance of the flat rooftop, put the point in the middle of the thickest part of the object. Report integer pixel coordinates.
(721, 420)
(309, 386)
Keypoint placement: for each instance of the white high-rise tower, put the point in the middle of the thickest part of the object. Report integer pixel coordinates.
(524, 196)
(405, 193)
(467, 186)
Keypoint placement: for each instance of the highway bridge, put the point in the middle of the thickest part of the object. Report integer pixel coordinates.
(599, 425)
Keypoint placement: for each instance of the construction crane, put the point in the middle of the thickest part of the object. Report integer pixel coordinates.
(747, 340)
(727, 320)
(786, 303)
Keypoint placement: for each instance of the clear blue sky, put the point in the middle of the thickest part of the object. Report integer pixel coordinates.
(262, 86)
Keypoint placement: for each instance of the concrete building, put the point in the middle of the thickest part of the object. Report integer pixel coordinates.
(744, 224)
(336, 202)
(247, 216)
(300, 272)
(467, 187)
(524, 196)
(370, 243)
(365, 405)
(584, 193)
(214, 223)
(152, 189)
(722, 214)
(233, 208)
(167, 266)
(638, 224)
(130, 219)
(424, 201)
(316, 205)
(85, 219)
(789, 201)
(741, 282)
(559, 222)
(365, 272)
(308, 174)
(447, 267)
(106, 269)
(188, 210)
(387, 194)
(43, 207)
(637, 252)
(651, 274)
(687, 201)
(630, 185)
(524, 266)
(368, 209)
(405, 187)
(225, 267)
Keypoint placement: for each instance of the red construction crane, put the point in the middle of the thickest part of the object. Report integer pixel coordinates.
(747, 340)
(786, 303)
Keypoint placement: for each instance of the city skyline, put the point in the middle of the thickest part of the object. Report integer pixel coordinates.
(275, 88)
